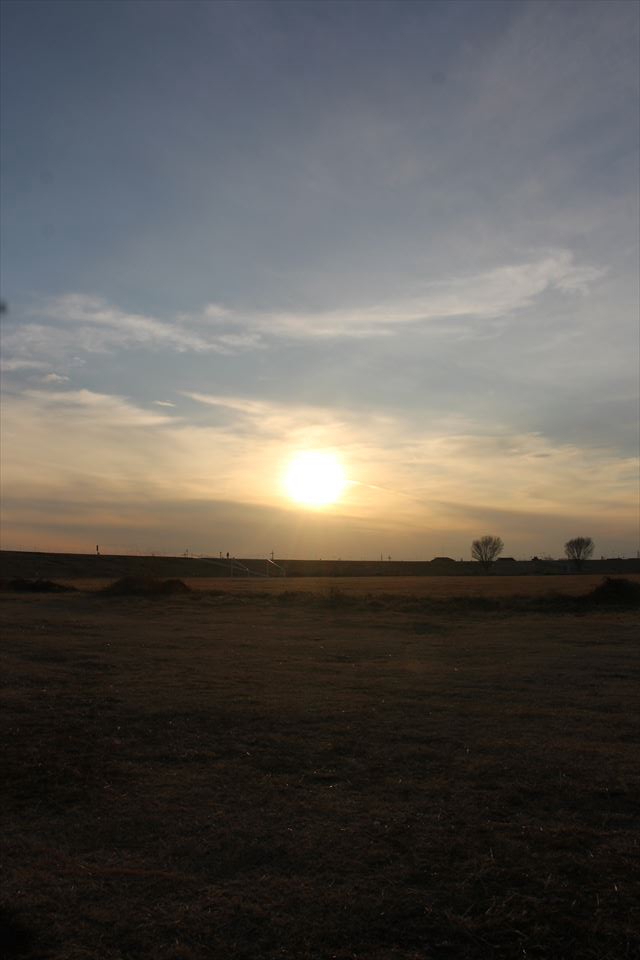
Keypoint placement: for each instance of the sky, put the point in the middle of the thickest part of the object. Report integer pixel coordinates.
(402, 234)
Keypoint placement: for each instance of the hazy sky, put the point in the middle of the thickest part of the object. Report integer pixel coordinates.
(406, 233)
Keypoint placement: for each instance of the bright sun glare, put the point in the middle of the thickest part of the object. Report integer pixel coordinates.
(315, 479)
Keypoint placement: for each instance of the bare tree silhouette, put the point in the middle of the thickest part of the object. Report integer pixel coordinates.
(486, 549)
(578, 550)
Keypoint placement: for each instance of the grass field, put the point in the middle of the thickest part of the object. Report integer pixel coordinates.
(241, 775)
(438, 587)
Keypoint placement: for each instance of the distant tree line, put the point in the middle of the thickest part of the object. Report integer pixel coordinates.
(488, 548)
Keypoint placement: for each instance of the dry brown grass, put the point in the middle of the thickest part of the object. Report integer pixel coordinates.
(438, 587)
(229, 777)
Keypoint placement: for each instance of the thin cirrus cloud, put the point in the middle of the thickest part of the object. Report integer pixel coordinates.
(395, 463)
(18, 365)
(94, 407)
(289, 426)
(263, 412)
(111, 450)
(76, 323)
(498, 292)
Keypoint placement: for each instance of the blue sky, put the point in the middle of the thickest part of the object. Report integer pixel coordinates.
(406, 233)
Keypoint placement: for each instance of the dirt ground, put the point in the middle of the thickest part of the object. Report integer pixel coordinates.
(259, 777)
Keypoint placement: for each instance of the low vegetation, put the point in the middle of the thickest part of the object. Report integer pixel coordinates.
(146, 586)
(37, 585)
(320, 775)
(612, 591)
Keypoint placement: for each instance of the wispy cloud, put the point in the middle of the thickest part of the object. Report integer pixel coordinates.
(297, 424)
(80, 447)
(96, 407)
(106, 326)
(63, 327)
(402, 471)
(16, 364)
(496, 293)
(77, 324)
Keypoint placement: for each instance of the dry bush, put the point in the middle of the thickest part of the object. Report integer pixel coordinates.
(615, 591)
(145, 586)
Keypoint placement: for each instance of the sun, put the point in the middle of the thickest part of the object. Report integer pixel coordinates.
(315, 478)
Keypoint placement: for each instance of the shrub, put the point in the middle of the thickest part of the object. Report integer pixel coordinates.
(21, 585)
(145, 586)
(615, 592)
